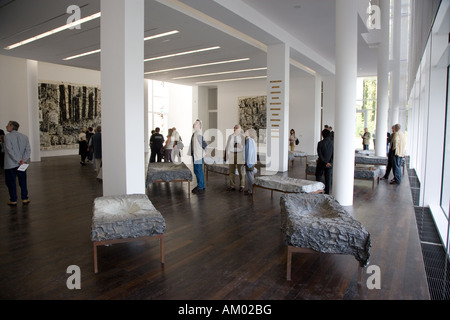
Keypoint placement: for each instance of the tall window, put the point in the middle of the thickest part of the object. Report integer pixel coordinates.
(366, 105)
(445, 195)
(158, 108)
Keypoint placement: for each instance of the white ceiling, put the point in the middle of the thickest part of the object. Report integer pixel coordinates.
(242, 28)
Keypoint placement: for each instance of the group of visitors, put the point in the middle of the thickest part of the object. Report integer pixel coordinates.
(167, 149)
(239, 153)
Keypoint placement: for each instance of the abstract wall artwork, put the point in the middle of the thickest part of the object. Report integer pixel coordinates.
(64, 109)
(253, 114)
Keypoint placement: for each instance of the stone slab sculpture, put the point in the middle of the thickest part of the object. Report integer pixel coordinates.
(125, 218)
(319, 223)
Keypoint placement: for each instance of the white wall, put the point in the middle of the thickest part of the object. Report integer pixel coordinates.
(58, 73)
(302, 112)
(181, 114)
(302, 106)
(328, 100)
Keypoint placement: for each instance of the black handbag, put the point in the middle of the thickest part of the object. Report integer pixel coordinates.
(297, 142)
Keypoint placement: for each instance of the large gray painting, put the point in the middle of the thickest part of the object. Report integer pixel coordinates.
(64, 109)
(253, 114)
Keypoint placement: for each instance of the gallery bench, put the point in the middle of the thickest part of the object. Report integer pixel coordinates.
(168, 172)
(362, 172)
(118, 219)
(296, 154)
(317, 223)
(287, 185)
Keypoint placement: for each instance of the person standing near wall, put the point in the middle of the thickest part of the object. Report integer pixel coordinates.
(83, 146)
(2, 149)
(234, 154)
(156, 145)
(89, 135)
(398, 147)
(250, 159)
(96, 144)
(197, 151)
(292, 139)
(325, 162)
(366, 139)
(177, 145)
(17, 153)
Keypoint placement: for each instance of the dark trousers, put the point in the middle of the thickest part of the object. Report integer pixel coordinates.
(389, 164)
(155, 154)
(321, 171)
(10, 179)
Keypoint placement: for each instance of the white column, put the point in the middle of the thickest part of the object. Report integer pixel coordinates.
(396, 35)
(33, 110)
(122, 83)
(147, 130)
(346, 73)
(277, 107)
(317, 108)
(383, 81)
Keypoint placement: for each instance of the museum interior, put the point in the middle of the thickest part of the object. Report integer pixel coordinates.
(185, 219)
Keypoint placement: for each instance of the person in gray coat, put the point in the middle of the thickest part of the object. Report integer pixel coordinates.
(17, 152)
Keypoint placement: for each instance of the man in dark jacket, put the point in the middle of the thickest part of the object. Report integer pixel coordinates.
(156, 144)
(325, 161)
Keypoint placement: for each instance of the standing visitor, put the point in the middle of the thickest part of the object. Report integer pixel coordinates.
(96, 145)
(292, 139)
(366, 139)
(398, 147)
(156, 145)
(17, 153)
(325, 162)
(83, 146)
(234, 154)
(250, 159)
(198, 146)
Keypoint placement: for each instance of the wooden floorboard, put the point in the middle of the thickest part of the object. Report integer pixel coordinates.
(218, 245)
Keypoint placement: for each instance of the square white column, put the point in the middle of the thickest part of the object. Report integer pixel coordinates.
(122, 85)
(277, 107)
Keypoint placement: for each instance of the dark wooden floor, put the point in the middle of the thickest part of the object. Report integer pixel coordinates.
(218, 245)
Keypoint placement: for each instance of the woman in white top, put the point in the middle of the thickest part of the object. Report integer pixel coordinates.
(292, 139)
(168, 147)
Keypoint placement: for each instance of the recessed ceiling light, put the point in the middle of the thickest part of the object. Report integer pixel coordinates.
(182, 53)
(56, 30)
(82, 54)
(145, 39)
(235, 79)
(161, 35)
(198, 65)
(218, 73)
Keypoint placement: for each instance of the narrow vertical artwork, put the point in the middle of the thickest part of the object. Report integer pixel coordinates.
(64, 110)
